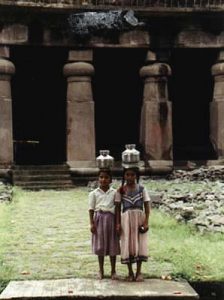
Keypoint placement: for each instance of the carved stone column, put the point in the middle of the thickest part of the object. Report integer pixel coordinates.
(80, 113)
(217, 108)
(156, 114)
(7, 69)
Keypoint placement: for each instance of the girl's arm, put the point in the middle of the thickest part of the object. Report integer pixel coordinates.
(92, 206)
(92, 225)
(118, 211)
(118, 217)
(147, 202)
(147, 213)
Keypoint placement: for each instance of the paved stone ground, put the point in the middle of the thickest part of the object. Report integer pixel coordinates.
(90, 289)
(49, 237)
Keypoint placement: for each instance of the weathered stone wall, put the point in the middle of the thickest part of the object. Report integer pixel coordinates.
(161, 29)
(155, 30)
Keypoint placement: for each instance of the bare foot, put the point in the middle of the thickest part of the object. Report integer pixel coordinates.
(100, 276)
(130, 277)
(114, 276)
(139, 278)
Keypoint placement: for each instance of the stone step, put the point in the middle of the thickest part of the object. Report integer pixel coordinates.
(47, 187)
(37, 177)
(39, 171)
(40, 177)
(42, 182)
(85, 289)
(40, 167)
(44, 185)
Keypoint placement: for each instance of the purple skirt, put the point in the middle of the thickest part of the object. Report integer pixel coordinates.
(105, 241)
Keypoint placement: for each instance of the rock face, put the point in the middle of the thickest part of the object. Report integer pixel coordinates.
(87, 23)
(194, 197)
(212, 173)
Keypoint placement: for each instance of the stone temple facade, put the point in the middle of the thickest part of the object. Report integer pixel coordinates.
(148, 72)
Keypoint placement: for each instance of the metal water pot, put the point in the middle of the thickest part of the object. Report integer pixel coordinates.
(104, 160)
(130, 155)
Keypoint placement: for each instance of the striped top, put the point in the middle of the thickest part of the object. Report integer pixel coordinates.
(132, 199)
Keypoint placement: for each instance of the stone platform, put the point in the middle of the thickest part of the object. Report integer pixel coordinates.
(86, 289)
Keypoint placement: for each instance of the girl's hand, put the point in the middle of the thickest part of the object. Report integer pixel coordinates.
(118, 229)
(144, 228)
(146, 225)
(93, 228)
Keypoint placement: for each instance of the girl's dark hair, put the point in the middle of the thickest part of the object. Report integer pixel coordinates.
(107, 171)
(135, 170)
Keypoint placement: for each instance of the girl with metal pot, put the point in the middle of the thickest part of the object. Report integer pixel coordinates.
(132, 203)
(105, 240)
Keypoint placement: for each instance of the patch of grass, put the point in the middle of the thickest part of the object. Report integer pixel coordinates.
(5, 225)
(5, 271)
(191, 255)
(45, 235)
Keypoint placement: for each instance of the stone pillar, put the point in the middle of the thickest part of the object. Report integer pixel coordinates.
(80, 111)
(7, 69)
(217, 108)
(156, 114)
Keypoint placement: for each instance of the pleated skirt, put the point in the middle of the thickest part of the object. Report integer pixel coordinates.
(105, 241)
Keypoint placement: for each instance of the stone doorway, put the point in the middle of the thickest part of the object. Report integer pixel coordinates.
(39, 105)
(191, 91)
(117, 92)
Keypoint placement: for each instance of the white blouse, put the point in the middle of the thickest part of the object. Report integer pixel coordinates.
(100, 200)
